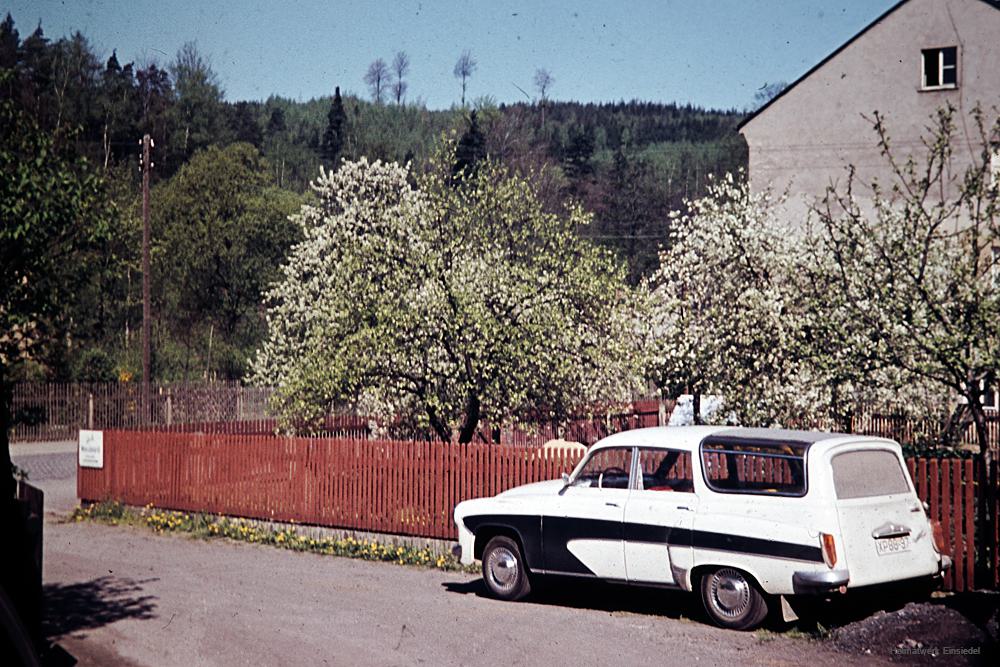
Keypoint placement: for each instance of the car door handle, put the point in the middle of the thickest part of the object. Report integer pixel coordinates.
(684, 507)
(610, 504)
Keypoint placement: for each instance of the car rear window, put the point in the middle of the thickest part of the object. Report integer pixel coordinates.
(867, 474)
(764, 469)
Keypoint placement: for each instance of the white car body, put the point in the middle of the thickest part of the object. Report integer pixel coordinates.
(771, 530)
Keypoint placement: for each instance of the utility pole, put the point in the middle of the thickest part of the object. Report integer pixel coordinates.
(147, 144)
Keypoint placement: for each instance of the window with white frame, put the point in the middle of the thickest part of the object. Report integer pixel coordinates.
(940, 68)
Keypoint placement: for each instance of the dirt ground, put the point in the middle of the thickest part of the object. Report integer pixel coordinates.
(957, 629)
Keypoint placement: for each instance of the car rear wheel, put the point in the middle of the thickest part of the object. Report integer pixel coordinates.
(732, 599)
(503, 569)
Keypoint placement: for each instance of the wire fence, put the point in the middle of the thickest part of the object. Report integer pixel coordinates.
(50, 411)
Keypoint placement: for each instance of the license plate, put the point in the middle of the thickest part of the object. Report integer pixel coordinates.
(892, 545)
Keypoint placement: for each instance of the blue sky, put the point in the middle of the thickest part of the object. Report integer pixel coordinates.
(713, 53)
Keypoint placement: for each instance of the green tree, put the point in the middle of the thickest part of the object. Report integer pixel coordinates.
(199, 109)
(104, 313)
(632, 218)
(52, 207)
(447, 303)
(220, 233)
(76, 74)
(471, 148)
(276, 122)
(10, 43)
(579, 151)
(35, 78)
(156, 98)
(119, 110)
(10, 40)
(335, 135)
(244, 125)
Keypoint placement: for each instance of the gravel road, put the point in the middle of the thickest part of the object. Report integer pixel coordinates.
(136, 598)
(124, 596)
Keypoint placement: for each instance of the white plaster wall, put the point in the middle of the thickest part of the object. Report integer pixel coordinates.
(806, 139)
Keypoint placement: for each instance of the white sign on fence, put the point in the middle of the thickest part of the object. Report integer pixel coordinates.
(91, 449)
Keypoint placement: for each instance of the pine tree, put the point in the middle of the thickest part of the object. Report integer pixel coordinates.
(335, 135)
(276, 124)
(579, 152)
(471, 148)
(243, 123)
(10, 41)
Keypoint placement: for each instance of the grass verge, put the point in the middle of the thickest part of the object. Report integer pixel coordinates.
(210, 526)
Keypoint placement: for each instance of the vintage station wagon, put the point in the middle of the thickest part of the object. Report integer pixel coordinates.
(743, 516)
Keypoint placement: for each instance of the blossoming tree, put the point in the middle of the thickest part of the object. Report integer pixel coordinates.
(446, 300)
(728, 319)
(919, 268)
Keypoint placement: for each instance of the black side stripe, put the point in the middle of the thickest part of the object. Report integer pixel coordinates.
(527, 527)
(556, 532)
(754, 545)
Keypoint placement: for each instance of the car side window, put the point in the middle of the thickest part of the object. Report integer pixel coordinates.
(665, 470)
(606, 469)
(777, 469)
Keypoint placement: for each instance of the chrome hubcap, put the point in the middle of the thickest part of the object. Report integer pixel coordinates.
(730, 592)
(502, 568)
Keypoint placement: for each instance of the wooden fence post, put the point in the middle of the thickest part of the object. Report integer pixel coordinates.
(90, 410)
(170, 407)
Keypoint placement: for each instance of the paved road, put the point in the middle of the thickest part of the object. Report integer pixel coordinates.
(122, 596)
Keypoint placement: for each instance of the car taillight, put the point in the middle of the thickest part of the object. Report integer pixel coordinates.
(940, 543)
(829, 546)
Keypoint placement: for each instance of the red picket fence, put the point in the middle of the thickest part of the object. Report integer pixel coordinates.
(402, 487)
(409, 487)
(948, 486)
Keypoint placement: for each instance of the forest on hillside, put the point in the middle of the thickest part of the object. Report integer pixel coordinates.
(227, 174)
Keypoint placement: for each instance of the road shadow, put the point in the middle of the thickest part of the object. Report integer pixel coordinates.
(580, 593)
(71, 608)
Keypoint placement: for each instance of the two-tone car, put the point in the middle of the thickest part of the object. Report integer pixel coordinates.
(742, 516)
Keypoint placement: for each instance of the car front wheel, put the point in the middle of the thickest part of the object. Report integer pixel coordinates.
(503, 569)
(732, 599)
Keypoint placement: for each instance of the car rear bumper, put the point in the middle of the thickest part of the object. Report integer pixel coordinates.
(819, 582)
(812, 582)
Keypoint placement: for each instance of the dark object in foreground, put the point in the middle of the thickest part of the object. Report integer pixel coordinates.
(21, 583)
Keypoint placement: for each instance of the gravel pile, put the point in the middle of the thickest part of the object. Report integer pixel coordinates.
(940, 632)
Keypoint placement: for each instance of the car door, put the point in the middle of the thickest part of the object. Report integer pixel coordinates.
(884, 531)
(583, 532)
(659, 516)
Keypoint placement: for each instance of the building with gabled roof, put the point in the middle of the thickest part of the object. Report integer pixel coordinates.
(917, 57)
